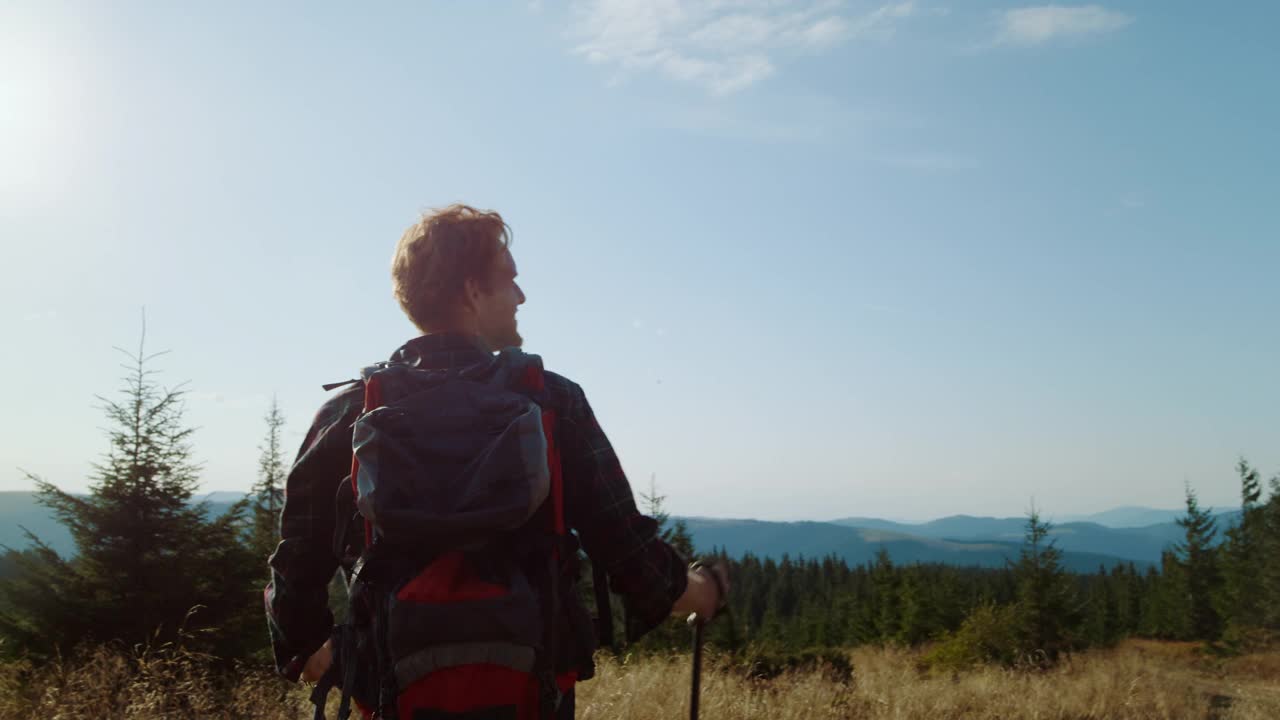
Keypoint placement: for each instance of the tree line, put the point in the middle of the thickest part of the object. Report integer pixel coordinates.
(1218, 585)
(154, 566)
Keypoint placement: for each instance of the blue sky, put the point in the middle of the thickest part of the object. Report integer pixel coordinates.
(809, 259)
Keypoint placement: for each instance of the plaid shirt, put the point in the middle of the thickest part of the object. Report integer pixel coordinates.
(649, 574)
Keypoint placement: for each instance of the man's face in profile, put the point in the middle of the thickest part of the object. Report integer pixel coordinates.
(496, 309)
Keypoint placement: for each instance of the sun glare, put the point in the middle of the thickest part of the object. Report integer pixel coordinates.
(37, 117)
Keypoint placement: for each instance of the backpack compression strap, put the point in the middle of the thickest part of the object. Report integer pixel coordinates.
(533, 382)
(372, 399)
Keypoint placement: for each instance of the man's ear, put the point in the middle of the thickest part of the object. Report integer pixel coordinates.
(470, 293)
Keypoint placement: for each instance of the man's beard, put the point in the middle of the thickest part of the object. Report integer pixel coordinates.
(510, 337)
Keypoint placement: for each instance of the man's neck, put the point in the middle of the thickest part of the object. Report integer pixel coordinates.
(469, 335)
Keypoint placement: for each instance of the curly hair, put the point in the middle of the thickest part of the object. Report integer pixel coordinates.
(438, 254)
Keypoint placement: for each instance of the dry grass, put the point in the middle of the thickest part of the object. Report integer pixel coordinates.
(107, 682)
(1138, 680)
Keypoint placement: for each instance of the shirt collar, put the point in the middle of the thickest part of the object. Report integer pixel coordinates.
(442, 350)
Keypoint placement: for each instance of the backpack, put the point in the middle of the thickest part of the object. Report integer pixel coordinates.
(455, 603)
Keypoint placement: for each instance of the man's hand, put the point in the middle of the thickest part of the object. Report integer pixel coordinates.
(318, 663)
(703, 596)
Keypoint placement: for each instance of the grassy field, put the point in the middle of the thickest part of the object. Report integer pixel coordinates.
(1137, 680)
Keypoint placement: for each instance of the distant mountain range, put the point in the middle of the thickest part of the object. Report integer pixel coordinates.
(956, 540)
(1127, 516)
(859, 545)
(19, 510)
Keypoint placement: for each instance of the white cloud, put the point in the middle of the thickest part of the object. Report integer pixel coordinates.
(827, 31)
(1038, 25)
(721, 76)
(721, 45)
(733, 32)
(883, 18)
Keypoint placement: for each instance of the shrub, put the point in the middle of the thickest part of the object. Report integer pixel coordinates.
(987, 635)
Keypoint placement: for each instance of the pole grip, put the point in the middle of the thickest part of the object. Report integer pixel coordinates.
(698, 625)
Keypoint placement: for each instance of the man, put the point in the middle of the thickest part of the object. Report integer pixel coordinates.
(455, 278)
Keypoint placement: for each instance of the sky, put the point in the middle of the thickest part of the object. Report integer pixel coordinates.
(809, 259)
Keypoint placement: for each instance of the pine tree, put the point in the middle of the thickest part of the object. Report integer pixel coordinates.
(1045, 610)
(725, 633)
(1242, 600)
(1199, 560)
(267, 495)
(1270, 569)
(150, 563)
(919, 607)
(752, 586)
(1101, 614)
(1128, 595)
(1166, 609)
(885, 582)
(676, 534)
(42, 603)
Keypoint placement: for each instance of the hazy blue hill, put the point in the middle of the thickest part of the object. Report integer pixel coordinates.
(953, 526)
(874, 524)
(859, 545)
(968, 526)
(223, 498)
(18, 509)
(1128, 516)
(1134, 543)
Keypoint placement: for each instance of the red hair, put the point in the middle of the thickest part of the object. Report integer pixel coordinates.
(438, 254)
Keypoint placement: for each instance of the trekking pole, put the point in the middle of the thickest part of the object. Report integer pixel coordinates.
(697, 624)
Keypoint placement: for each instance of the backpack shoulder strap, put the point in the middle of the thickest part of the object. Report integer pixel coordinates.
(523, 372)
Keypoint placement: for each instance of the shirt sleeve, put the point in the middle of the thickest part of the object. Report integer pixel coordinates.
(297, 597)
(649, 574)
